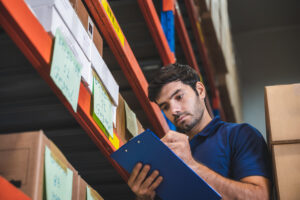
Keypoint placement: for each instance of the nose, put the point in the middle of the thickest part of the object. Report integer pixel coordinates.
(175, 109)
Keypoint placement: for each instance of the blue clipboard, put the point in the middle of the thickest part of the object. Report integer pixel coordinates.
(180, 181)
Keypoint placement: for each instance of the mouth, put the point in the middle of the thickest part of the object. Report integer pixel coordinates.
(181, 119)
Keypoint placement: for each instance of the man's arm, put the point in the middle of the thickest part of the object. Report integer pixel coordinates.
(252, 187)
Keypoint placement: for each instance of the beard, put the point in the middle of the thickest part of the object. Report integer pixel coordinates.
(196, 116)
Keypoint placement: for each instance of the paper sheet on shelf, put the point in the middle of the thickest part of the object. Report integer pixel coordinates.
(102, 109)
(92, 194)
(65, 70)
(51, 21)
(131, 123)
(58, 180)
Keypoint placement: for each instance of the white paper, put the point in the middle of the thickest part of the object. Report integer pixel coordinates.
(51, 20)
(114, 116)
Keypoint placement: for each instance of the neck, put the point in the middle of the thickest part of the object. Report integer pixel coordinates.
(206, 118)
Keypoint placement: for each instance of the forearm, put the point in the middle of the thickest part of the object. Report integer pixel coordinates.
(230, 189)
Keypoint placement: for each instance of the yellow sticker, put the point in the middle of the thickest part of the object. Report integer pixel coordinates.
(115, 141)
(113, 21)
(200, 32)
(201, 78)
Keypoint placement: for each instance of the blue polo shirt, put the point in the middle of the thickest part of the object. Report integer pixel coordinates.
(233, 150)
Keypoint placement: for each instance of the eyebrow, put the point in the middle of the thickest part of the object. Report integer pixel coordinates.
(161, 104)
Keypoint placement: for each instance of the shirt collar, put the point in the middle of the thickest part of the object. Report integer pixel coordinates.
(210, 127)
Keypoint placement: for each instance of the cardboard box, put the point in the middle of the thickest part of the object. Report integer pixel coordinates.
(203, 6)
(70, 18)
(105, 75)
(215, 15)
(120, 125)
(51, 20)
(287, 164)
(282, 105)
(140, 127)
(82, 191)
(121, 122)
(88, 24)
(22, 161)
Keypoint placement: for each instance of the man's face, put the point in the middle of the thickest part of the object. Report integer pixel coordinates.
(181, 104)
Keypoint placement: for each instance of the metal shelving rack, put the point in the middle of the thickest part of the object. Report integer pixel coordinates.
(30, 37)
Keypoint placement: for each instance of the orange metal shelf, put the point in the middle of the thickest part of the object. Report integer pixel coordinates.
(10, 192)
(156, 31)
(185, 40)
(128, 64)
(31, 38)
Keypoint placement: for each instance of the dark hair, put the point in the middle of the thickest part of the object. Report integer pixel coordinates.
(170, 73)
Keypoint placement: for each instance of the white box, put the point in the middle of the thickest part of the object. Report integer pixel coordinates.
(208, 2)
(51, 20)
(215, 14)
(105, 75)
(69, 16)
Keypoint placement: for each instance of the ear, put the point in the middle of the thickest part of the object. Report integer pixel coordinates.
(201, 90)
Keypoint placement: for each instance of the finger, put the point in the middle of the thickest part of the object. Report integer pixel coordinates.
(153, 193)
(173, 136)
(168, 137)
(173, 145)
(142, 175)
(150, 179)
(156, 183)
(134, 174)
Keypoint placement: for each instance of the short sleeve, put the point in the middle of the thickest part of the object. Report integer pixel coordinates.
(250, 155)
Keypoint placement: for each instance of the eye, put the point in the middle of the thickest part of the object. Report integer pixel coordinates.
(179, 97)
(165, 108)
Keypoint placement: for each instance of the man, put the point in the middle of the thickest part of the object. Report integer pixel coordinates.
(232, 158)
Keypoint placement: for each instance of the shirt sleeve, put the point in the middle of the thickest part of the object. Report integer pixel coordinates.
(250, 155)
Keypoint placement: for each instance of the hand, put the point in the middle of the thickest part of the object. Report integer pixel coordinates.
(179, 144)
(143, 186)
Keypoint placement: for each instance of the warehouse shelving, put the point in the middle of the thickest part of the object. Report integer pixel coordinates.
(28, 34)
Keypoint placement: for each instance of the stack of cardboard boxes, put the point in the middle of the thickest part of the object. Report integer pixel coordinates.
(23, 164)
(282, 103)
(83, 37)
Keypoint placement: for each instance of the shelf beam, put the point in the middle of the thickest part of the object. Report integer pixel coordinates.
(8, 191)
(185, 40)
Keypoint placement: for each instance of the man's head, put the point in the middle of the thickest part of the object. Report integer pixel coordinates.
(179, 93)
